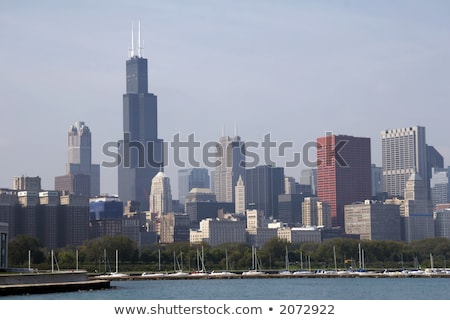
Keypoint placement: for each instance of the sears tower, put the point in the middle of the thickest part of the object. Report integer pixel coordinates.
(140, 150)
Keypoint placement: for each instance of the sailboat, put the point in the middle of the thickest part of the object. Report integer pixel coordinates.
(256, 268)
(178, 270)
(225, 272)
(155, 274)
(115, 274)
(301, 271)
(286, 259)
(201, 270)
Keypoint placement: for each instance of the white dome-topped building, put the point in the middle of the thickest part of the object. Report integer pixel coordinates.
(161, 195)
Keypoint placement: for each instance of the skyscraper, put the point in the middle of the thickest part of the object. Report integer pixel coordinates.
(82, 176)
(404, 152)
(231, 157)
(417, 214)
(263, 184)
(239, 196)
(161, 195)
(343, 173)
(141, 151)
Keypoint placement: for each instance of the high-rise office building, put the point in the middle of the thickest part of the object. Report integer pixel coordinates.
(417, 213)
(290, 186)
(82, 176)
(343, 172)
(377, 181)
(315, 213)
(161, 195)
(141, 151)
(439, 185)
(290, 208)
(308, 178)
(373, 220)
(404, 152)
(239, 196)
(191, 178)
(231, 164)
(263, 184)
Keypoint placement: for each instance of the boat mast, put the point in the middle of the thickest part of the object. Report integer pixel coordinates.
(226, 260)
(301, 260)
(117, 261)
(159, 260)
(287, 259)
(334, 253)
(359, 254)
(104, 260)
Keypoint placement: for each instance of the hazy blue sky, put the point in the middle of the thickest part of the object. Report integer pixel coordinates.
(294, 69)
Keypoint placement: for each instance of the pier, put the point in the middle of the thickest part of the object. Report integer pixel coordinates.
(61, 281)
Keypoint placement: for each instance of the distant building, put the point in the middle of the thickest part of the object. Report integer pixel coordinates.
(373, 220)
(191, 178)
(105, 217)
(105, 207)
(439, 184)
(10, 211)
(198, 211)
(290, 208)
(52, 218)
(140, 150)
(260, 236)
(263, 184)
(200, 195)
(416, 216)
(74, 183)
(255, 219)
(257, 230)
(75, 223)
(218, 231)
(343, 172)
(315, 213)
(161, 195)
(434, 161)
(174, 228)
(299, 234)
(377, 181)
(47, 222)
(82, 176)
(239, 196)
(28, 214)
(308, 181)
(231, 164)
(290, 186)
(442, 223)
(3, 245)
(27, 183)
(404, 151)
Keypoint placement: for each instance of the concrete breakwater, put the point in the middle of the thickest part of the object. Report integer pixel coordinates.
(60, 281)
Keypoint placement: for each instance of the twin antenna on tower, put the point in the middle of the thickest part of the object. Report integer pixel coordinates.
(136, 51)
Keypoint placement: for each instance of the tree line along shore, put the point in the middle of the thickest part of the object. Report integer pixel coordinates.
(100, 255)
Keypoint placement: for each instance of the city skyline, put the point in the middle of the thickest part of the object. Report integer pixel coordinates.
(388, 68)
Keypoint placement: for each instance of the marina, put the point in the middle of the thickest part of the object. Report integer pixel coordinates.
(444, 273)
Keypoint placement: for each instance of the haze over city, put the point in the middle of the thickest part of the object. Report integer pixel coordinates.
(293, 69)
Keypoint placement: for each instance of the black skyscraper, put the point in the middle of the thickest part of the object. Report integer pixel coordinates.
(263, 184)
(140, 150)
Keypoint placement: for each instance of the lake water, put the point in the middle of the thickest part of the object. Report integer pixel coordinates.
(264, 289)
